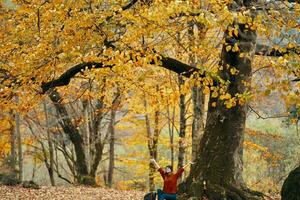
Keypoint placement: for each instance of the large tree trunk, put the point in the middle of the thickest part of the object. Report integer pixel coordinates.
(218, 170)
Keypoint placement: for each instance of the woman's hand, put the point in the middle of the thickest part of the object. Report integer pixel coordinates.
(155, 163)
(190, 163)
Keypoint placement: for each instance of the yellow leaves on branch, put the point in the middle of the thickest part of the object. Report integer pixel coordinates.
(214, 104)
(225, 96)
(264, 151)
(266, 135)
(206, 90)
(4, 146)
(230, 103)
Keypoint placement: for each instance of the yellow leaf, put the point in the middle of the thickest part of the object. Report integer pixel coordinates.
(225, 96)
(233, 71)
(214, 94)
(236, 32)
(291, 45)
(228, 48)
(242, 101)
(228, 105)
(206, 90)
(235, 48)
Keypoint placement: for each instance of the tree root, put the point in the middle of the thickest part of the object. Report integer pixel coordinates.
(220, 192)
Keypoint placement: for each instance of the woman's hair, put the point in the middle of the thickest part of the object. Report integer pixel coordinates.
(170, 166)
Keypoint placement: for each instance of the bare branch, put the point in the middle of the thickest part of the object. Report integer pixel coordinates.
(267, 117)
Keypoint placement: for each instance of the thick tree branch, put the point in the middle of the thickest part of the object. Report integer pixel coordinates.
(65, 78)
(168, 63)
(178, 66)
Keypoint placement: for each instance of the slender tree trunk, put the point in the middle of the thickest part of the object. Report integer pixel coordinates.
(34, 164)
(86, 106)
(111, 167)
(152, 145)
(219, 161)
(198, 119)
(19, 142)
(12, 146)
(50, 145)
(111, 149)
(97, 143)
(182, 128)
(171, 132)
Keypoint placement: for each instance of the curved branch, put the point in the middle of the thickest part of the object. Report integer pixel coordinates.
(65, 78)
(167, 63)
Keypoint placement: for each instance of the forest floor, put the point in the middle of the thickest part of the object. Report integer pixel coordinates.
(67, 193)
(73, 193)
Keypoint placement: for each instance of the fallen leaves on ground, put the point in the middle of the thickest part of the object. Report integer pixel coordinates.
(66, 193)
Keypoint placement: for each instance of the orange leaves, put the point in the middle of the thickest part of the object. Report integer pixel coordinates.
(255, 146)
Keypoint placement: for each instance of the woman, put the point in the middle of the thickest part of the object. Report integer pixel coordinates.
(170, 181)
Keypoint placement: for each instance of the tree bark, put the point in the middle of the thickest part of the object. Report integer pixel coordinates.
(219, 162)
